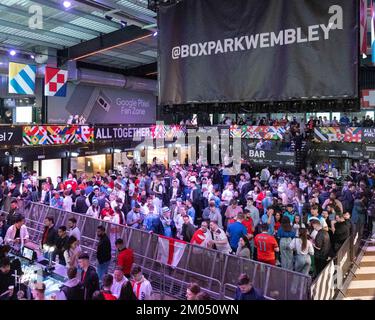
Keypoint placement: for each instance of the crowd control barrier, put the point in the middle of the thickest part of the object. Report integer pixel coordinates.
(215, 272)
(330, 282)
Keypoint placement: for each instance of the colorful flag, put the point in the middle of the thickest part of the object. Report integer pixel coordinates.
(368, 99)
(363, 22)
(372, 33)
(21, 78)
(170, 251)
(55, 82)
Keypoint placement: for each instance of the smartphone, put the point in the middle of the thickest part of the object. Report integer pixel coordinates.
(98, 107)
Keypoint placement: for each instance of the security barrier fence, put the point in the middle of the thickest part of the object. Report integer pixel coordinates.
(329, 282)
(215, 272)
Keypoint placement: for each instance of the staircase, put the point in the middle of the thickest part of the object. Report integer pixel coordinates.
(362, 285)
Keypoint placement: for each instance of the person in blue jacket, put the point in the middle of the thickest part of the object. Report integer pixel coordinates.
(246, 291)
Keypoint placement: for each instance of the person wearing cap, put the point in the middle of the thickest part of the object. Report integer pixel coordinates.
(322, 246)
(314, 213)
(167, 222)
(89, 277)
(134, 217)
(94, 209)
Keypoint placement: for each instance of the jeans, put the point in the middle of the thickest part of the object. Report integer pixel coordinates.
(286, 253)
(303, 263)
(102, 269)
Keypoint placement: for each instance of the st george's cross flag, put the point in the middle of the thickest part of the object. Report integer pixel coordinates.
(21, 78)
(55, 82)
(170, 251)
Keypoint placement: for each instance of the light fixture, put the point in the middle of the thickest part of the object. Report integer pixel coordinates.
(123, 23)
(67, 4)
(51, 249)
(364, 56)
(155, 34)
(32, 56)
(18, 159)
(12, 53)
(117, 150)
(74, 154)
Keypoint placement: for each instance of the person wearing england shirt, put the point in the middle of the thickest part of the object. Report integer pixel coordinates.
(141, 286)
(202, 236)
(71, 183)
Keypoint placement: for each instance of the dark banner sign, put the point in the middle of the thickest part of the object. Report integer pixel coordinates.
(10, 136)
(271, 158)
(368, 135)
(251, 50)
(122, 133)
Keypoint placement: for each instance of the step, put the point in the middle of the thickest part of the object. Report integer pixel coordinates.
(367, 264)
(368, 259)
(360, 292)
(362, 284)
(359, 298)
(364, 276)
(365, 270)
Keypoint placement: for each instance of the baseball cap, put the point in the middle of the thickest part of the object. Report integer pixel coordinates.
(314, 219)
(179, 199)
(95, 201)
(166, 209)
(193, 179)
(95, 188)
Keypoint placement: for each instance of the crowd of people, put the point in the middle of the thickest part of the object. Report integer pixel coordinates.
(295, 221)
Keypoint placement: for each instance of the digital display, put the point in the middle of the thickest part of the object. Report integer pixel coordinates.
(28, 253)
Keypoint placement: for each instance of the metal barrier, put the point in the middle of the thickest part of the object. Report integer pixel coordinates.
(329, 283)
(214, 271)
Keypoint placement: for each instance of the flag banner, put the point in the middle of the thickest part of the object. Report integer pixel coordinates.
(338, 134)
(21, 78)
(55, 82)
(257, 132)
(57, 135)
(168, 132)
(251, 50)
(363, 23)
(170, 251)
(368, 99)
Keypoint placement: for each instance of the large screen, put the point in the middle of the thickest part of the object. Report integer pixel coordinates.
(251, 50)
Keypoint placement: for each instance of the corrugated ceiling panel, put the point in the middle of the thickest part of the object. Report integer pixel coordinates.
(73, 33)
(138, 8)
(87, 23)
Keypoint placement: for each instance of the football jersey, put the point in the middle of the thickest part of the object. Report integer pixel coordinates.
(265, 245)
(142, 289)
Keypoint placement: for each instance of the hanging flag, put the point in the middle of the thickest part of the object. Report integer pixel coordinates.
(55, 82)
(21, 78)
(372, 33)
(368, 99)
(363, 22)
(170, 251)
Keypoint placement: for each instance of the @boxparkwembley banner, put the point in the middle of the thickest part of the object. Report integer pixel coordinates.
(251, 50)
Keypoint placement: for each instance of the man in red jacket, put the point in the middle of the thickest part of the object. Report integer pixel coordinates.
(125, 257)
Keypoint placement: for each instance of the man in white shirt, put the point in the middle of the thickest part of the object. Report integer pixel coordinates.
(73, 229)
(68, 202)
(17, 234)
(227, 195)
(220, 240)
(118, 281)
(141, 286)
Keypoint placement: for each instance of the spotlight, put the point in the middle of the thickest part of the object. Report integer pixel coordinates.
(74, 154)
(155, 33)
(123, 23)
(117, 150)
(12, 53)
(32, 56)
(67, 4)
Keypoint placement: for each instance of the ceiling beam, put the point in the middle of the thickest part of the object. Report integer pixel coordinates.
(32, 42)
(104, 43)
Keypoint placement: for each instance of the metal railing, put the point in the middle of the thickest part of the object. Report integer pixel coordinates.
(215, 272)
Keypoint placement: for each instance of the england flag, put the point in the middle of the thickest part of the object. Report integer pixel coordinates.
(170, 251)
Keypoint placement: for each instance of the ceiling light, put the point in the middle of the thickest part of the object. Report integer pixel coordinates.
(67, 4)
(12, 53)
(32, 56)
(117, 150)
(155, 33)
(74, 154)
